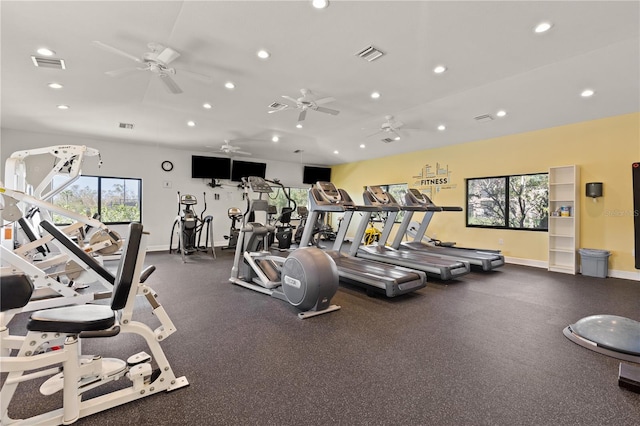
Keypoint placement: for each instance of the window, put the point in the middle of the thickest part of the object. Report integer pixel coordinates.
(397, 190)
(509, 202)
(279, 198)
(115, 200)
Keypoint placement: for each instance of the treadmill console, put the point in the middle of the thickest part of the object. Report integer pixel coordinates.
(380, 195)
(257, 184)
(419, 196)
(329, 192)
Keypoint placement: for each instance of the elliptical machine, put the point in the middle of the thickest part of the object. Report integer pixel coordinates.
(190, 227)
(307, 279)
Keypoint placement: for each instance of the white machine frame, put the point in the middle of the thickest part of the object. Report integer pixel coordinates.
(74, 373)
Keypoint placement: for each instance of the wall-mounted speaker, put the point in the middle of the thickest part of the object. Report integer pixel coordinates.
(594, 189)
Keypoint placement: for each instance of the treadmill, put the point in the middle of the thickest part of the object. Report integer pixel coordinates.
(434, 266)
(486, 260)
(375, 277)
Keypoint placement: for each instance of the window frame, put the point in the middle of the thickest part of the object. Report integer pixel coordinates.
(99, 202)
(507, 200)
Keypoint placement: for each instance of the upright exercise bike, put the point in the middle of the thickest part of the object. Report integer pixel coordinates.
(307, 279)
(191, 226)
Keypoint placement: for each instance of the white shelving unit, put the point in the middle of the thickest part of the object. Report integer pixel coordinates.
(564, 228)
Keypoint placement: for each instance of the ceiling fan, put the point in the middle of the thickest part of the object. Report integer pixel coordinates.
(391, 129)
(229, 149)
(157, 61)
(304, 103)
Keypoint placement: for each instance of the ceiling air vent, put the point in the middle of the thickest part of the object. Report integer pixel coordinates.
(483, 118)
(387, 140)
(278, 105)
(126, 126)
(370, 53)
(48, 62)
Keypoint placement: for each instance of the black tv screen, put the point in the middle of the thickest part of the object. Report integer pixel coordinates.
(242, 169)
(312, 175)
(210, 167)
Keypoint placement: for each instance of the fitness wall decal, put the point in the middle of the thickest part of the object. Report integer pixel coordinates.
(431, 180)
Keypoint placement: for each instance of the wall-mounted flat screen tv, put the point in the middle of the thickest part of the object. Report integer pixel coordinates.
(311, 175)
(242, 169)
(210, 167)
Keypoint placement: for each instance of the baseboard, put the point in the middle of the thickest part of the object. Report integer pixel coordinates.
(625, 275)
(165, 247)
(527, 262)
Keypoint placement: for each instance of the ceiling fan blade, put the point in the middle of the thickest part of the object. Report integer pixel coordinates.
(375, 133)
(242, 152)
(170, 84)
(327, 110)
(195, 75)
(116, 51)
(289, 98)
(324, 100)
(122, 72)
(302, 116)
(167, 56)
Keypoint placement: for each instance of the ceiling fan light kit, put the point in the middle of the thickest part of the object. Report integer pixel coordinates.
(156, 61)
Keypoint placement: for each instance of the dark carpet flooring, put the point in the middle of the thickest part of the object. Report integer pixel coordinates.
(487, 349)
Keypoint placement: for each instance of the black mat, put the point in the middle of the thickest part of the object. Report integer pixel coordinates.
(487, 349)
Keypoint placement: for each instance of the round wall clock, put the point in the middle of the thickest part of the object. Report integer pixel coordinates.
(167, 166)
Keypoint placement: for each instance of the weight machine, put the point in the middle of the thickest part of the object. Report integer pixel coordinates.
(191, 226)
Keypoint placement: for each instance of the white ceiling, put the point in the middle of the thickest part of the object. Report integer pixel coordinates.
(494, 60)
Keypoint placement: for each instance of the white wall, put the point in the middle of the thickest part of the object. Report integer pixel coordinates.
(159, 204)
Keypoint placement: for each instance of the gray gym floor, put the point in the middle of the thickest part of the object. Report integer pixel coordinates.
(487, 349)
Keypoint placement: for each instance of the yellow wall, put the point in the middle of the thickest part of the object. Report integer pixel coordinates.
(603, 149)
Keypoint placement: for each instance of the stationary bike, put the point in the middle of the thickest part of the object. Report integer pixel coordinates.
(235, 214)
(307, 279)
(191, 227)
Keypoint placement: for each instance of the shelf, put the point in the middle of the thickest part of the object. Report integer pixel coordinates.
(564, 230)
(561, 250)
(561, 268)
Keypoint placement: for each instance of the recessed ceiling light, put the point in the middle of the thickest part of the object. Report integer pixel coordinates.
(263, 54)
(229, 85)
(275, 139)
(320, 4)
(362, 145)
(62, 106)
(206, 105)
(336, 152)
(439, 69)
(375, 95)
(397, 138)
(55, 85)
(542, 27)
(45, 52)
(299, 126)
(191, 123)
(501, 113)
(587, 93)
(442, 127)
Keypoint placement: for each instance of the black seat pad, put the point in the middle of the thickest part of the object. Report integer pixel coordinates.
(73, 319)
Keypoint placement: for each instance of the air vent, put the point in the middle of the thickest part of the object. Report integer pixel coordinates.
(388, 140)
(483, 118)
(48, 62)
(278, 105)
(126, 126)
(370, 53)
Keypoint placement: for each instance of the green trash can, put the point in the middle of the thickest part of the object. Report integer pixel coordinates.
(594, 263)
